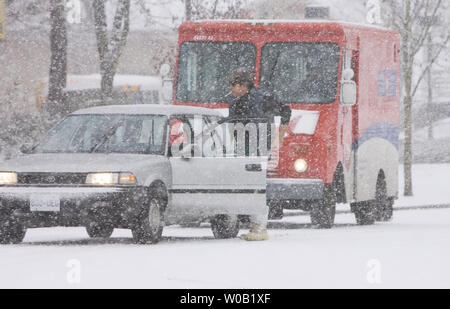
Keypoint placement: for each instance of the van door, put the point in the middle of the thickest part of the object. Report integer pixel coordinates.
(348, 114)
(213, 182)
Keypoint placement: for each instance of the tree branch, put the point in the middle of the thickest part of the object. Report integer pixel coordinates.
(433, 60)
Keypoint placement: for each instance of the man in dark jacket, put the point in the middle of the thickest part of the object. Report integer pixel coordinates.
(249, 103)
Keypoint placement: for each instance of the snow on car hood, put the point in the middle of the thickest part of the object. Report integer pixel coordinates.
(79, 162)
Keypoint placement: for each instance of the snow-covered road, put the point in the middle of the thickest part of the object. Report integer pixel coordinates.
(411, 251)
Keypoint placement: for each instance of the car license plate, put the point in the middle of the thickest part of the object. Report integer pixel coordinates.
(44, 202)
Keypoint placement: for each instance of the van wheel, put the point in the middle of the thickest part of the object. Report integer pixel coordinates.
(365, 213)
(323, 211)
(384, 205)
(97, 229)
(275, 210)
(150, 224)
(11, 232)
(224, 226)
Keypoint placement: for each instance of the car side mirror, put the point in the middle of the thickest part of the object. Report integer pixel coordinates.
(27, 148)
(176, 135)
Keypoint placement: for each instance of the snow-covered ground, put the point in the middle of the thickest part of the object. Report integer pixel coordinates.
(412, 251)
(431, 185)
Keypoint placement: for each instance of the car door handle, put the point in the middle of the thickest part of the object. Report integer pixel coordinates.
(253, 167)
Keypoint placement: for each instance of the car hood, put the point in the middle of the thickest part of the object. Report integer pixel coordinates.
(79, 162)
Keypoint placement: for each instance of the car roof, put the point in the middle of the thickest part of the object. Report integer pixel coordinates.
(153, 109)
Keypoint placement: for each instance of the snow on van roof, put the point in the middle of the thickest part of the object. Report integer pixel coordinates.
(92, 81)
(148, 109)
(296, 21)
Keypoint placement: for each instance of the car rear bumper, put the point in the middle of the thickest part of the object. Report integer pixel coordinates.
(78, 205)
(294, 189)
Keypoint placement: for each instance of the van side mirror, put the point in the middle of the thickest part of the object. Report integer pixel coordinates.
(348, 88)
(348, 92)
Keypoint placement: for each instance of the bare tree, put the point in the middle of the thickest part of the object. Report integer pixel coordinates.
(414, 19)
(58, 62)
(217, 9)
(188, 9)
(110, 47)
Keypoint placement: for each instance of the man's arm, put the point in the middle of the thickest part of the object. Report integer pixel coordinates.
(273, 107)
(285, 113)
(282, 131)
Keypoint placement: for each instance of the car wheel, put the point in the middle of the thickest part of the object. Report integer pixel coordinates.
(11, 232)
(323, 211)
(97, 229)
(224, 226)
(150, 224)
(275, 210)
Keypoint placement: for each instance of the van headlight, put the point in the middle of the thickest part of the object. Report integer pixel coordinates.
(108, 179)
(8, 178)
(300, 165)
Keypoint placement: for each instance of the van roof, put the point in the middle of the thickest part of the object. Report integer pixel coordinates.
(242, 23)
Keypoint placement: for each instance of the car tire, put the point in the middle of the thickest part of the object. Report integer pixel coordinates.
(384, 205)
(323, 211)
(150, 223)
(96, 229)
(11, 232)
(225, 226)
(275, 210)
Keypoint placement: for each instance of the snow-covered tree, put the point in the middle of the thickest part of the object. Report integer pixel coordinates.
(110, 46)
(216, 9)
(58, 62)
(414, 20)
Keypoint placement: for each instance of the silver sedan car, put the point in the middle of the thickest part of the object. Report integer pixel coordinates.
(131, 166)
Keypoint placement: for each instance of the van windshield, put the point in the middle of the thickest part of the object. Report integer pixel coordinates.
(300, 72)
(204, 68)
(112, 133)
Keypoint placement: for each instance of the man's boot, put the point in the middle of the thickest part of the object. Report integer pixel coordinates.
(256, 233)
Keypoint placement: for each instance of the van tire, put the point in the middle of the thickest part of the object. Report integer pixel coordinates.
(275, 210)
(323, 211)
(365, 213)
(224, 226)
(97, 229)
(384, 204)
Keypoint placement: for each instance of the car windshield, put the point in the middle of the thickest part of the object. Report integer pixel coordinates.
(112, 133)
(300, 72)
(204, 68)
